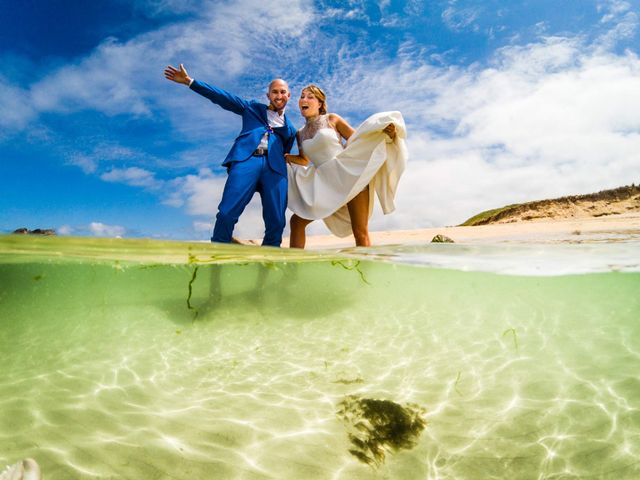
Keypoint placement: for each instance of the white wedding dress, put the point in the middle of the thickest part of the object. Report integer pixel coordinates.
(338, 173)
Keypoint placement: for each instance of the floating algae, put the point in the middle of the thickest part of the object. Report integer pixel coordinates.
(512, 331)
(351, 266)
(376, 426)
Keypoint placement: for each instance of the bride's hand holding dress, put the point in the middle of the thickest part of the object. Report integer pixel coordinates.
(291, 159)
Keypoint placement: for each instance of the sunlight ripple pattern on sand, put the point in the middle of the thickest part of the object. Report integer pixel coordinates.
(232, 363)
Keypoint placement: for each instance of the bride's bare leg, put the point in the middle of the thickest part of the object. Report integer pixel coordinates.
(359, 213)
(298, 237)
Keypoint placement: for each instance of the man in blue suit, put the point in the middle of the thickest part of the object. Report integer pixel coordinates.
(256, 161)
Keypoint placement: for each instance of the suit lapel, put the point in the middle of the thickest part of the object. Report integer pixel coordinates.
(288, 124)
(263, 114)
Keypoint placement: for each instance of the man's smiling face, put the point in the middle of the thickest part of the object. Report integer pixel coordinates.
(278, 95)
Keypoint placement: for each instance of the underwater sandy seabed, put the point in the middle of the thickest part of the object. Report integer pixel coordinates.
(247, 363)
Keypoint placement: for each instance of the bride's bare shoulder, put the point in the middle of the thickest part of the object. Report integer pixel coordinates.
(334, 118)
(340, 125)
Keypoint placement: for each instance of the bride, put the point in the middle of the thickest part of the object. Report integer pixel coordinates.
(335, 182)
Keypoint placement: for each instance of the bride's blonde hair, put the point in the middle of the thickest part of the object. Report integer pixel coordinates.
(320, 95)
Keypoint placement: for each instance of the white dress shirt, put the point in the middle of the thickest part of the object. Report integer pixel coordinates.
(275, 120)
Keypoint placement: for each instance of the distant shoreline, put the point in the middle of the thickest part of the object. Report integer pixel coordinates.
(623, 227)
(564, 230)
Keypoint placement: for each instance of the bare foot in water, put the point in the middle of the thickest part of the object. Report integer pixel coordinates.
(26, 469)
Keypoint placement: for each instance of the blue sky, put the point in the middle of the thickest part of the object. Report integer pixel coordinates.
(504, 102)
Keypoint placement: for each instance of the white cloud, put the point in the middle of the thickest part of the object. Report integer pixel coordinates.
(458, 19)
(154, 8)
(125, 77)
(554, 117)
(16, 110)
(613, 9)
(134, 176)
(111, 80)
(87, 163)
(202, 226)
(102, 230)
(551, 118)
(342, 13)
(623, 20)
(200, 195)
(65, 230)
(93, 157)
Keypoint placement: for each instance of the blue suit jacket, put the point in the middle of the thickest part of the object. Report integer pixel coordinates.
(254, 124)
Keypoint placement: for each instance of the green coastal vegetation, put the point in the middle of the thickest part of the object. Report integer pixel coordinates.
(605, 202)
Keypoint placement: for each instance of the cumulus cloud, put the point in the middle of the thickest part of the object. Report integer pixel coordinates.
(103, 230)
(97, 229)
(121, 77)
(200, 194)
(553, 117)
(550, 118)
(202, 226)
(65, 230)
(623, 20)
(16, 109)
(134, 176)
(92, 158)
(613, 9)
(85, 162)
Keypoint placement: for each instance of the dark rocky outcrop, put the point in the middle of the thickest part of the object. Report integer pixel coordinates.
(37, 231)
(441, 239)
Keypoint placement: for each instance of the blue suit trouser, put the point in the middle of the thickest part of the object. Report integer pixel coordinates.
(246, 178)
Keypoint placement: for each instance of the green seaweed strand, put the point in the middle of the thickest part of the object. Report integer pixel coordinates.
(193, 279)
(355, 266)
(512, 331)
(455, 386)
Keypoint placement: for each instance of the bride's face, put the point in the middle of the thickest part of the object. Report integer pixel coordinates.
(309, 104)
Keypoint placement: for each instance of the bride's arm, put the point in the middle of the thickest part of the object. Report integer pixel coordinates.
(341, 125)
(297, 159)
(301, 158)
(346, 130)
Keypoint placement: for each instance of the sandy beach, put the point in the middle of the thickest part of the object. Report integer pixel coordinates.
(605, 228)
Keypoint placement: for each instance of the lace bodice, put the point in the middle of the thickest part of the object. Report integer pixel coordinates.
(319, 140)
(312, 126)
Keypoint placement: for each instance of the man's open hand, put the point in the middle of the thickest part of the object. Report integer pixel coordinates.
(177, 75)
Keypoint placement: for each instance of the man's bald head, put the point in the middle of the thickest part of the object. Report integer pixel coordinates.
(279, 82)
(278, 94)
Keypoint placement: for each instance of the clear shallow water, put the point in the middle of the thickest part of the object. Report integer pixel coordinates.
(137, 359)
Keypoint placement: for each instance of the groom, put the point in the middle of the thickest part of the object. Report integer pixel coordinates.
(255, 162)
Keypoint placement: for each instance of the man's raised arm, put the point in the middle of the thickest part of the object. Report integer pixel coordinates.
(226, 100)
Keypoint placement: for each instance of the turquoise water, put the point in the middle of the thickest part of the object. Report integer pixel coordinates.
(150, 360)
